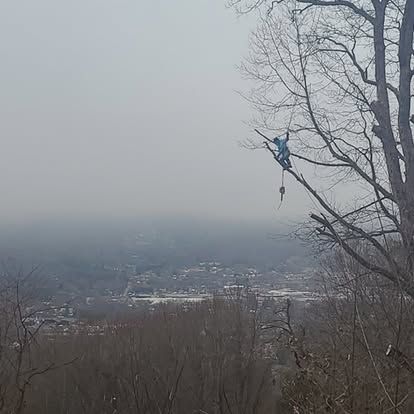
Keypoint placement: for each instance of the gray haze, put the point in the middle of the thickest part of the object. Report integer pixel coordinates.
(128, 107)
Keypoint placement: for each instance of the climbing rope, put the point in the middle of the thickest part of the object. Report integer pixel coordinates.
(282, 189)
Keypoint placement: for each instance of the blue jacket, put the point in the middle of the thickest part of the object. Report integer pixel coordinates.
(282, 148)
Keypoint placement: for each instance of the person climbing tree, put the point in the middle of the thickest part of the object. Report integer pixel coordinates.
(283, 151)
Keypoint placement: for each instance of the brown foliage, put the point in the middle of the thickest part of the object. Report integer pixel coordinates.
(206, 358)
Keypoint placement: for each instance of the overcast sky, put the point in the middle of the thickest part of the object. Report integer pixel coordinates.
(128, 107)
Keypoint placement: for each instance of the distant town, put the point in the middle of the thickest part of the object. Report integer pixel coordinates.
(191, 284)
(101, 276)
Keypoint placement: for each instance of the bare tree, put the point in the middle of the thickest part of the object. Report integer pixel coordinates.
(19, 363)
(340, 344)
(338, 74)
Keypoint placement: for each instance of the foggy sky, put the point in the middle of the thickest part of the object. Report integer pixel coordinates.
(128, 107)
